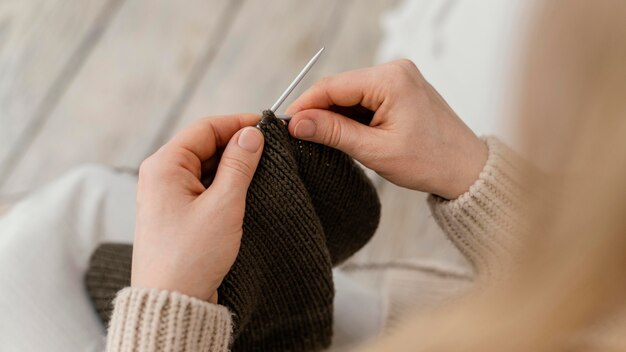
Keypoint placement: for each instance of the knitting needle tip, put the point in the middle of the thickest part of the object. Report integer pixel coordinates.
(297, 80)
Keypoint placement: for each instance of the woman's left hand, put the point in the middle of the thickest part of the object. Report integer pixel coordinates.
(187, 236)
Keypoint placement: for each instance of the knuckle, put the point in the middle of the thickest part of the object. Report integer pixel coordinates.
(407, 64)
(185, 159)
(403, 74)
(334, 134)
(403, 68)
(237, 166)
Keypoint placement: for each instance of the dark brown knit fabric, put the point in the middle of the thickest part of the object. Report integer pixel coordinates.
(308, 208)
(109, 272)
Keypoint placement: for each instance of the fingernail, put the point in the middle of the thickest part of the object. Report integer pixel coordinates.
(250, 139)
(305, 129)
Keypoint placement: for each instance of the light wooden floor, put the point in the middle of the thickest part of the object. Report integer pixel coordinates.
(108, 81)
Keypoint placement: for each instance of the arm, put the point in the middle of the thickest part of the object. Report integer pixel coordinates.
(188, 230)
(485, 222)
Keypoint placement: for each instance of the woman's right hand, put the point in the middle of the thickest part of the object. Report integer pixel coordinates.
(415, 139)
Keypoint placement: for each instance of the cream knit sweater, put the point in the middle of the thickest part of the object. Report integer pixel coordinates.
(482, 223)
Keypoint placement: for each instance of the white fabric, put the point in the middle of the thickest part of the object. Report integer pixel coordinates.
(359, 312)
(45, 244)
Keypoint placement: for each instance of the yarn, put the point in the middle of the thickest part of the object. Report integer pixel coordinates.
(308, 208)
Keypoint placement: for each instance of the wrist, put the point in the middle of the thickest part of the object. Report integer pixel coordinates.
(468, 163)
(181, 283)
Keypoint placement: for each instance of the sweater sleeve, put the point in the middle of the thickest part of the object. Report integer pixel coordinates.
(154, 320)
(485, 222)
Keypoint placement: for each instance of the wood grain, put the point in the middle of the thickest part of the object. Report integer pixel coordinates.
(266, 48)
(125, 90)
(252, 70)
(149, 77)
(42, 47)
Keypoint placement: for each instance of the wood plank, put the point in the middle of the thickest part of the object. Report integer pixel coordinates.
(251, 71)
(355, 42)
(124, 92)
(240, 79)
(265, 50)
(42, 47)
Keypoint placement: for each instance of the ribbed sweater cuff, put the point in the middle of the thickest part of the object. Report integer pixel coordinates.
(154, 320)
(484, 222)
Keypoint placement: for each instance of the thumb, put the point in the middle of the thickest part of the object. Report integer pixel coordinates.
(238, 163)
(334, 130)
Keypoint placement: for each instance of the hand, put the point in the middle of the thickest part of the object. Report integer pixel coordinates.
(187, 236)
(415, 140)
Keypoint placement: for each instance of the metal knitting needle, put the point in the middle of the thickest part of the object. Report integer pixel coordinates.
(294, 83)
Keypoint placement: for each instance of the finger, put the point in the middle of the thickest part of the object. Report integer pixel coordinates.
(238, 164)
(358, 87)
(336, 131)
(203, 137)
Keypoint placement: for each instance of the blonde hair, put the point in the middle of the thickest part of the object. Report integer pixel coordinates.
(569, 285)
